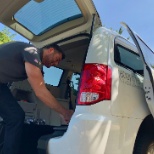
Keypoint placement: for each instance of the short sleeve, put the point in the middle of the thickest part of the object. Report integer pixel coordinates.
(31, 55)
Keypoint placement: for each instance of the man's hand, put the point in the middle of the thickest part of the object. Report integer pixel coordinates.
(67, 115)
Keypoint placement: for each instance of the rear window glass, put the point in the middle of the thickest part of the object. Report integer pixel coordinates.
(52, 75)
(128, 59)
(41, 17)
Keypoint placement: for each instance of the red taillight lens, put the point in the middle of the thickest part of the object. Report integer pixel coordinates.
(95, 84)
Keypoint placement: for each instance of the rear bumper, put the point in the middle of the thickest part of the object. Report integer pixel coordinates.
(89, 134)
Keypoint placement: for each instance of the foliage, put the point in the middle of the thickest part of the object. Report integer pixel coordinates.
(120, 31)
(77, 83)
(6, 36)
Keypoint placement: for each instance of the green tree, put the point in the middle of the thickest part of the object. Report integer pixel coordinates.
(6, 36)
(120, 31)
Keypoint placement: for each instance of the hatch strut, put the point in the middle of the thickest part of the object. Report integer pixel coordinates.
(92, 25)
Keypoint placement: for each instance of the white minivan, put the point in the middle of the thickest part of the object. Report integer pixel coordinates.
(104, 78)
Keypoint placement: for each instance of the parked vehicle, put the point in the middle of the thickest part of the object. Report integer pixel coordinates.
(114, 100)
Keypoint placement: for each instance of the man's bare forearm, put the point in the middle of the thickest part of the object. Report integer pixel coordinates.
(45, 96)
(36, 81)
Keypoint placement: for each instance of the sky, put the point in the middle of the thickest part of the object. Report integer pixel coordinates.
(138, 14)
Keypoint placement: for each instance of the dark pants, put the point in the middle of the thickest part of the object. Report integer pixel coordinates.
(13, 117)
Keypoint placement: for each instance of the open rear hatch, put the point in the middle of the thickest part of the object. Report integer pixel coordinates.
(44, 22)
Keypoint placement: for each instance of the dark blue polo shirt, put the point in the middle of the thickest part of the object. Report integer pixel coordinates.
(12, 60)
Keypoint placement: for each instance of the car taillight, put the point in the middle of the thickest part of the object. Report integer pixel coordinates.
(95, 84)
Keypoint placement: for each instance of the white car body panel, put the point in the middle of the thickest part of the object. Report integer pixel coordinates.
(108, 127)
(89, 133)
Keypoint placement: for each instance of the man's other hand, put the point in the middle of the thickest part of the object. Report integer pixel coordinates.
(67, 115)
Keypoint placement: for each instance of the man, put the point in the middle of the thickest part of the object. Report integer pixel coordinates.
(19, 61)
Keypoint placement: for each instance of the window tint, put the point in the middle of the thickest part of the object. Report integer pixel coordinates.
(41, 17)
(52, 75)
(128, 59)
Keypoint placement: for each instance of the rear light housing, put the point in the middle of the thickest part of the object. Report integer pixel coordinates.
(95, 84)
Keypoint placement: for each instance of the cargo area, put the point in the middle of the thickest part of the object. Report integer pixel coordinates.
(41, 122)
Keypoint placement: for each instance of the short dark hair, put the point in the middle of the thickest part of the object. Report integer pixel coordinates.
(55, 46)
